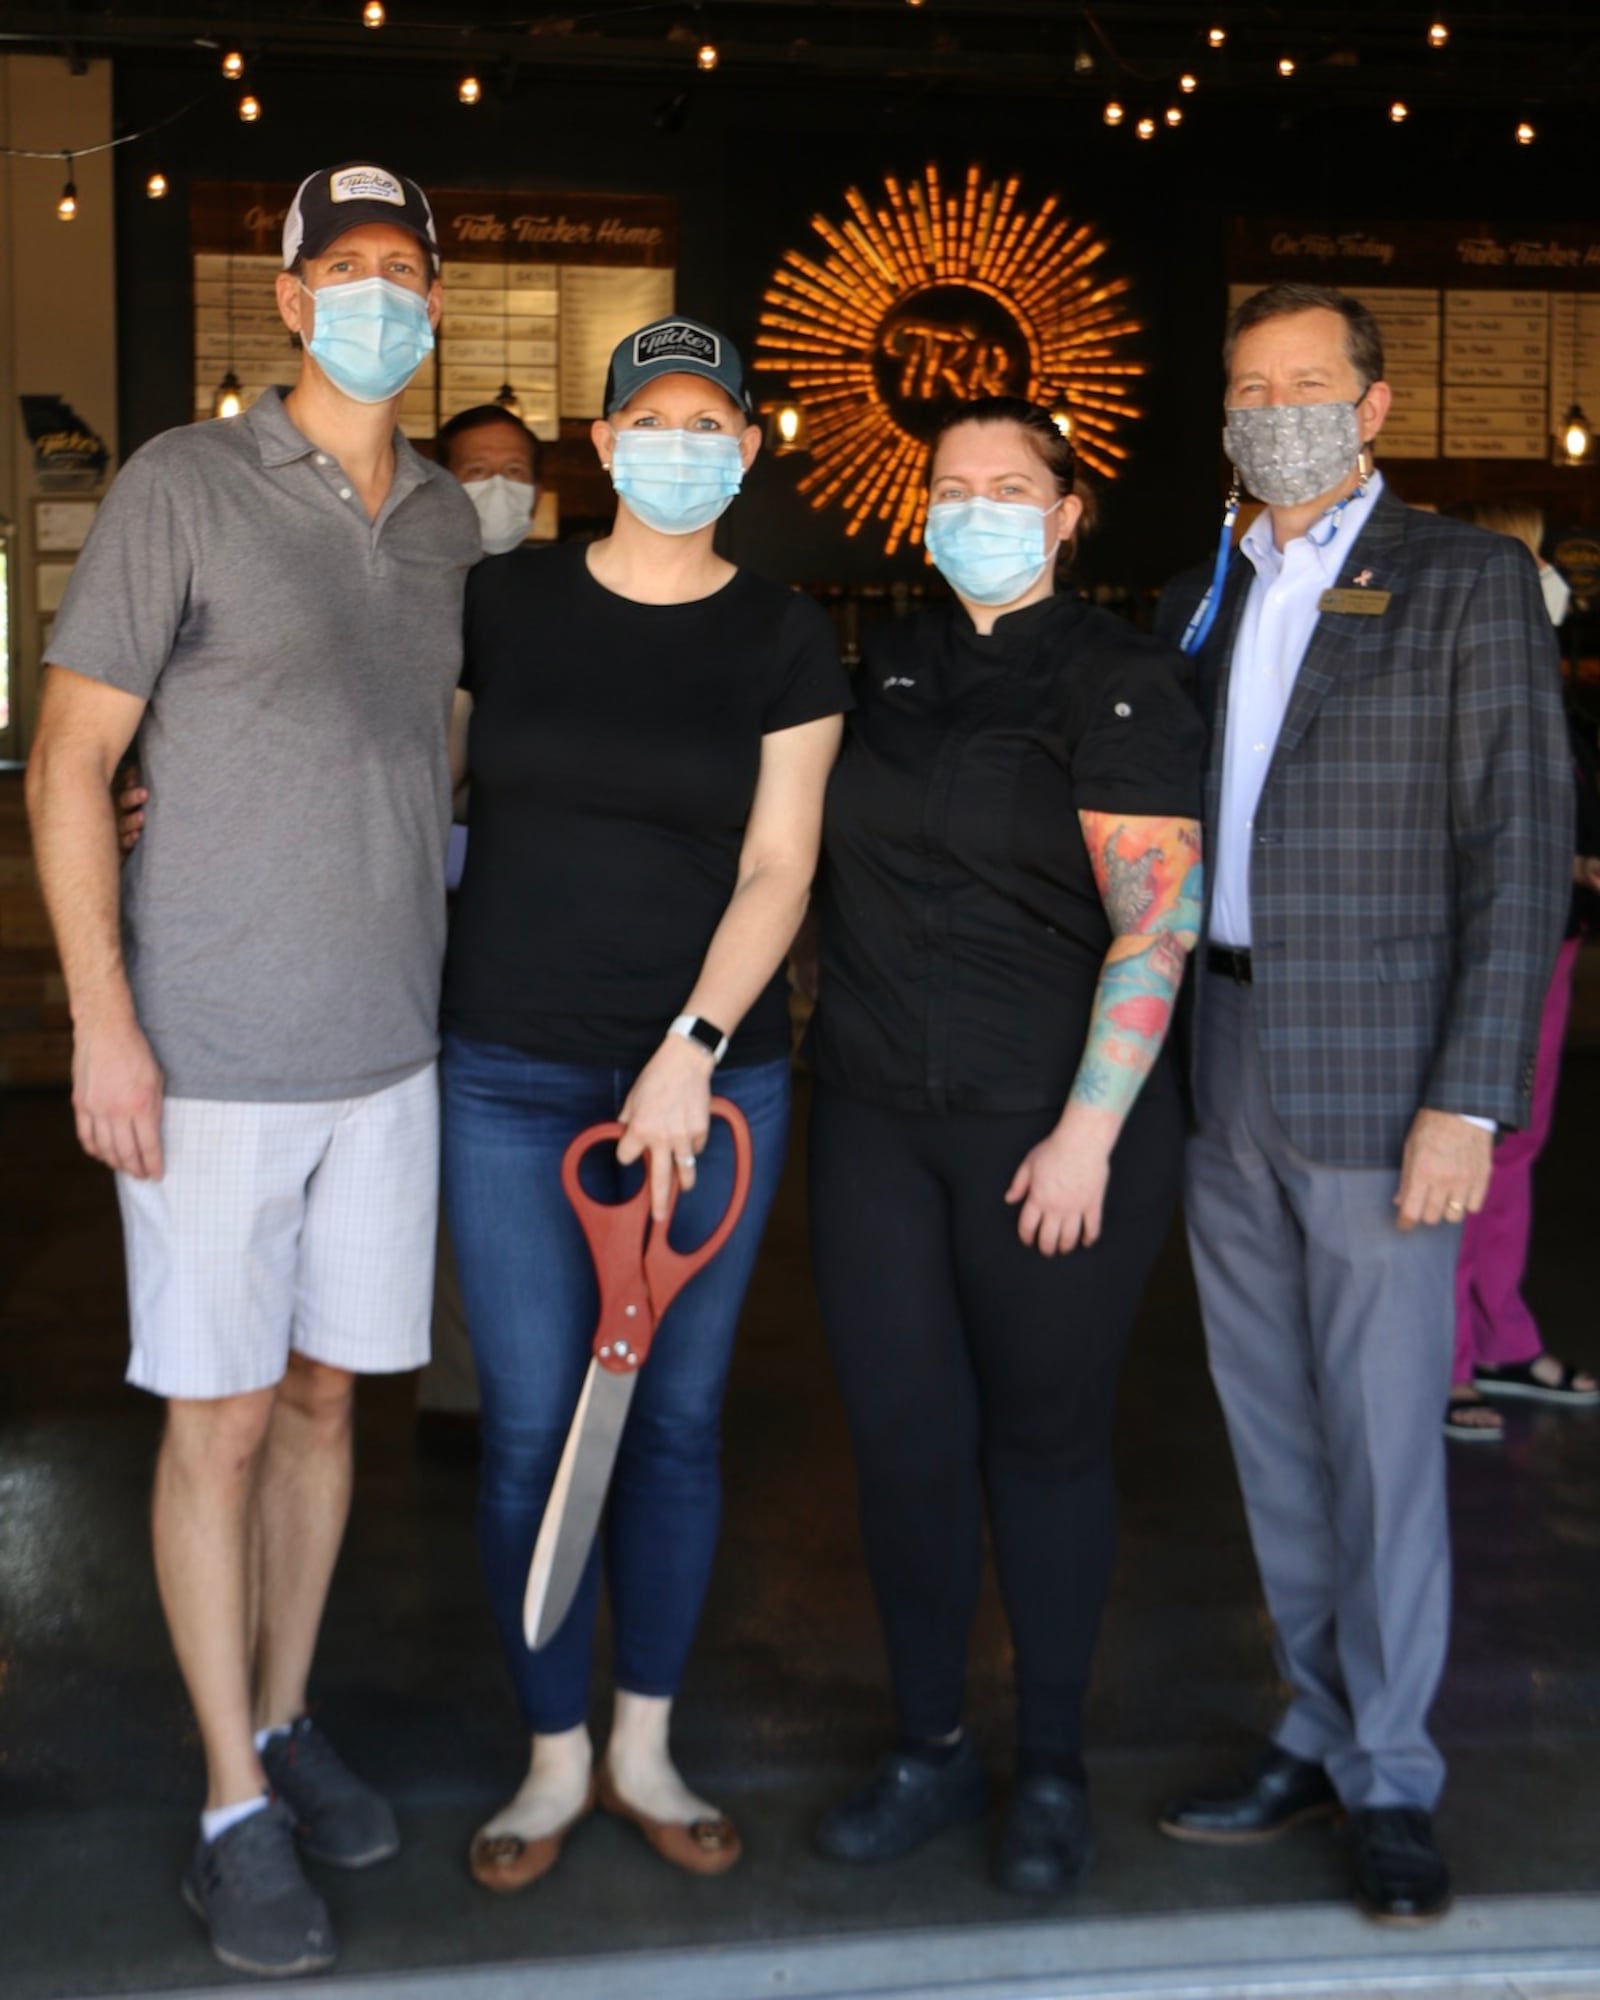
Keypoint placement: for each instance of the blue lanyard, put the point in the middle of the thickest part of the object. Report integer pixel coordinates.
(1205, 612)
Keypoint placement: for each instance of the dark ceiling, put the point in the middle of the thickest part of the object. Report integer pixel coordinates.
(1051, 48)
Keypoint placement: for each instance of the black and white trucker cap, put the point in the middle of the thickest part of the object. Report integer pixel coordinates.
(335, 199)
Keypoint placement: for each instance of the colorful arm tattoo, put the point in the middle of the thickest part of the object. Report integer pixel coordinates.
(1152, 885)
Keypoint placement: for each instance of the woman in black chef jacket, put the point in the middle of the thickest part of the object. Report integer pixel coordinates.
(1012, 886)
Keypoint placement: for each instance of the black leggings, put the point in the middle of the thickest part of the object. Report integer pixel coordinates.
(970, 1365)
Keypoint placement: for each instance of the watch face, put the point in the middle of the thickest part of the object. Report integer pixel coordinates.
(707, 1036)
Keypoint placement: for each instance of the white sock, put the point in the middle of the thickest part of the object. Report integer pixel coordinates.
(265, 1736)
(215, 1823)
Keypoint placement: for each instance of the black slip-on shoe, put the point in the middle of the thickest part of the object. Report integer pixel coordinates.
(907, 1800)
(1279, 1792)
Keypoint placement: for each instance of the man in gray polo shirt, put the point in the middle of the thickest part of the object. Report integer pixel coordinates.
(273, 605)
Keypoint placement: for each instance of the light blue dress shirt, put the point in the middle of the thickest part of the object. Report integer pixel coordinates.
(1275, 627)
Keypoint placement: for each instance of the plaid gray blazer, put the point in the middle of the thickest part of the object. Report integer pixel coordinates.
(1413, 845)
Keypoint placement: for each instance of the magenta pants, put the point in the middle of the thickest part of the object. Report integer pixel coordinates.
(1494, 1328)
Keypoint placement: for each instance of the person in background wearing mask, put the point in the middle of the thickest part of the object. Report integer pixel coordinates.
(1388, 823)
(1012, 885)
(255, 1039)
(651, 735)
(496, 458)
(1499, 1351)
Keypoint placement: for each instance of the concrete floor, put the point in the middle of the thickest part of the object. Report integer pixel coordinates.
(100, 1774)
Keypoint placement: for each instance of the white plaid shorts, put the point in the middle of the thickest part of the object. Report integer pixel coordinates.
(274, 1227)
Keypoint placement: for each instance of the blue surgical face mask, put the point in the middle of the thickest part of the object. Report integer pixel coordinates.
(989, 551)
(369, 337)
(677, 481)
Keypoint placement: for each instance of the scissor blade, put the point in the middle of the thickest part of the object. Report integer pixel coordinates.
(572, 1515)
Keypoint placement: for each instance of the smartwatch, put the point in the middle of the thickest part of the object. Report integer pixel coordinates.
(705, 1034)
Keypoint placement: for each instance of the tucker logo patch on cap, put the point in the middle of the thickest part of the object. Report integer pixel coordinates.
(365, 184)
(677, 341)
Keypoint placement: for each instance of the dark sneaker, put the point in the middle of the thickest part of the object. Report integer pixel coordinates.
(1046, 1842)
(337, 1817)
(248, 1889)
(907, 1800)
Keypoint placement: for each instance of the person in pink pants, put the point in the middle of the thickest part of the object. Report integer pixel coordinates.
(1498, 1349)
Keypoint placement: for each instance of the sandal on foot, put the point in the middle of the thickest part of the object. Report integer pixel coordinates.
(1519, 1379)
(702, 1847)
(1469, 1420)
(505, 1862)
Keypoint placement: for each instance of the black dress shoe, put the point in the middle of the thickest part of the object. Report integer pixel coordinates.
(1400, 1875)
(1045, 1843)
(907, 1800)
(1279, 1792)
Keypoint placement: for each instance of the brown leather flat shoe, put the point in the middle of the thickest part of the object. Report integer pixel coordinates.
(506, 1862)
(703, 1847)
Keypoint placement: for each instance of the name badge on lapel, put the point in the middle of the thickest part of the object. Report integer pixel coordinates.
(1359, 598)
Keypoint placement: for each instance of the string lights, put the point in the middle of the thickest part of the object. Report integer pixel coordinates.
(1146, 128)
(249, 109)
(233, 65)
(1438, 34)
(1188, 83)
(229, 399)
(374, 14)
(156, 186)
(1526, 134)
(1286, 65)
(1174, 115)
(1399, 112)
(67, 206)
(707, 56)
(1114, 113)
(469, 90)
(1217, 37)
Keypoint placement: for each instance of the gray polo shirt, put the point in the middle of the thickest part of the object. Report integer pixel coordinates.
(283, 915)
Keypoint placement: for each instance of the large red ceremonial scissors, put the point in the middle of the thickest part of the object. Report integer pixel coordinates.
(640, 1275)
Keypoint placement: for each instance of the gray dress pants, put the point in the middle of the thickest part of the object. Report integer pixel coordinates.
(1330, 1334)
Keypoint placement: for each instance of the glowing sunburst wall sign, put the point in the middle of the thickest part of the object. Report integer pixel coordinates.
(932, 299)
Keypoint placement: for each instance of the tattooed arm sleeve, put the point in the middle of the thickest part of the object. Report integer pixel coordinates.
(1151, 883)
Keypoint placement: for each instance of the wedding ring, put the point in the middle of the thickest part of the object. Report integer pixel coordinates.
(1455, 1210)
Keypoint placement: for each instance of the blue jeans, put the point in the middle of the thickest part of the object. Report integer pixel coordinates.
(528, 1285)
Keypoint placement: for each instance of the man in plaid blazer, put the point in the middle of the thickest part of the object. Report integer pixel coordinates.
(1388, 818)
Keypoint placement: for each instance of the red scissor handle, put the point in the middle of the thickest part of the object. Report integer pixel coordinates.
(639, 1281)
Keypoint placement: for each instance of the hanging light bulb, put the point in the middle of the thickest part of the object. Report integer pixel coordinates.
(1526, 134)
(1399, 112)
(1146, 128)
(469, 90)
(229, 399)
(1174, 114)
(67, 206)
(1216, 36)
(507, 401)
(249, 109)
(1062, 419)
(1576, 436)
(1188, 83)
(1114, 113)
(706, 56)
(156, 186)
(788, 424)
(1286, 65)
(233, 65)
(1438, 35)
(374, 14)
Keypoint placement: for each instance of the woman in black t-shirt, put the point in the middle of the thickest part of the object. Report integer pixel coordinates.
(1012, 885)
(650, 739)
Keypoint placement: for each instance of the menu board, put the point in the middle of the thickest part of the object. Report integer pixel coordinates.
(1487, 358)
(538, 289)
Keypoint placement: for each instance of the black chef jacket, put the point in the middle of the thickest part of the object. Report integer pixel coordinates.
(961, 931)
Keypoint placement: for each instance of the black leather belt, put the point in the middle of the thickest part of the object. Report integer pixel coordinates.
(1232, 960)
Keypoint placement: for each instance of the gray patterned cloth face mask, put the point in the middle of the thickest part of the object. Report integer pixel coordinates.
(1288, 453)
